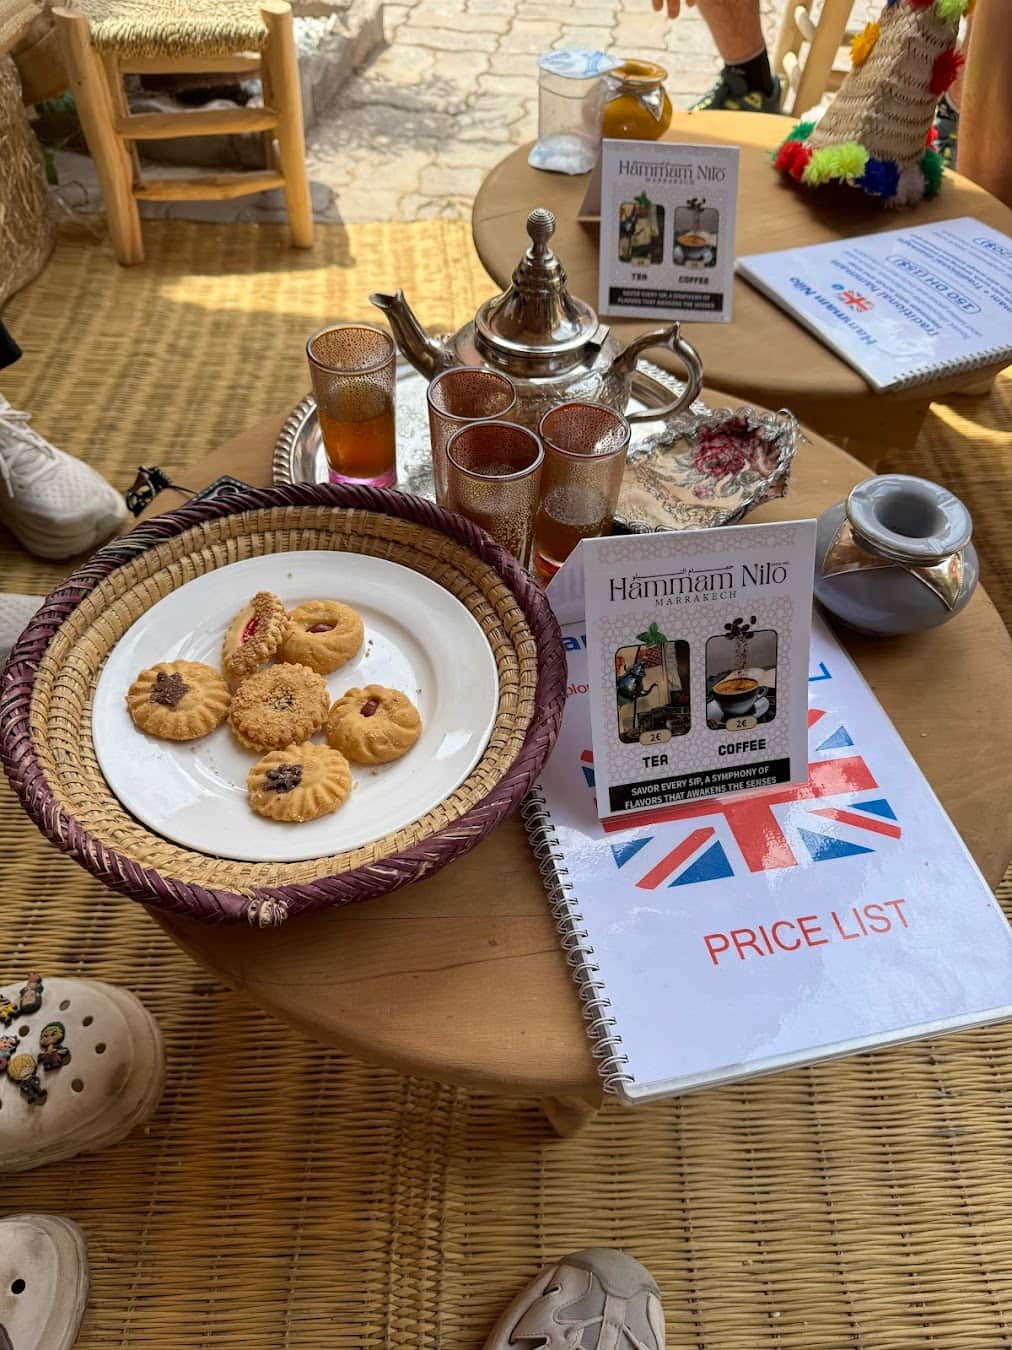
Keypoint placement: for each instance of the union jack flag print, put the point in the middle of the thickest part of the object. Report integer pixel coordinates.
(839, 813)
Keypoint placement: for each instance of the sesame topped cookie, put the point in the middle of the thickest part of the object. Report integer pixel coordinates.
(282, 705)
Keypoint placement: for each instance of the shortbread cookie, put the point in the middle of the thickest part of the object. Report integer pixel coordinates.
(323, 635)
(178, 700)
(254, 635)
(282, 705)
(373, 725)
(300, 782)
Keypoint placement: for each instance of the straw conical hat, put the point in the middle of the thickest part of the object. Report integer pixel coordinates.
(874, 133)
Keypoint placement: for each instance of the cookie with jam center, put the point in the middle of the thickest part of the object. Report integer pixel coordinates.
(300, 782)
(323, 635)
(373, 725)
(282, 705)
(254, 636)
(178, 700)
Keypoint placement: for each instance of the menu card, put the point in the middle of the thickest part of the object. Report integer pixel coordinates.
(667, 230)
(698, 657)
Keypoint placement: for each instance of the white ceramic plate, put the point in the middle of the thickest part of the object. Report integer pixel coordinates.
(418, 638)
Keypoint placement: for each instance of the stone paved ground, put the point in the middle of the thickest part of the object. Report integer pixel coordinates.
(412, 135)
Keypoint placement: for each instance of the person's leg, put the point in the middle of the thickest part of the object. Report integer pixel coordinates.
(986, 112)
(735, 27)
(746, 84)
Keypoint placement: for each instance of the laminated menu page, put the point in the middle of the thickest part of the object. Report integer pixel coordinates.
(698, 655)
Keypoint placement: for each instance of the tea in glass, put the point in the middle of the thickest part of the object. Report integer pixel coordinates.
(585, 449)
(353, 368)
(493, 478)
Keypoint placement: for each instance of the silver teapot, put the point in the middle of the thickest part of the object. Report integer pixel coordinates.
(551, 345)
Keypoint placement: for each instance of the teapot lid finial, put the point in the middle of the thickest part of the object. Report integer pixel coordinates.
(536, 318)
(540, 227)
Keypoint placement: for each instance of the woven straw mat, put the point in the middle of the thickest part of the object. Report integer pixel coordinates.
(157, 28)
(285, 1195)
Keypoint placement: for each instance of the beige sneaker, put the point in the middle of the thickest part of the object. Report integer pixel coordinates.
(598, 1299)
(82, 1065)
(56, 505)
(43, 1282)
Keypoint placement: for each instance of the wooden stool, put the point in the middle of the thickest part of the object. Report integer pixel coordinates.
(102, 40)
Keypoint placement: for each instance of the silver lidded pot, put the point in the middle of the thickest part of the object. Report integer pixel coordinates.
(551, 345)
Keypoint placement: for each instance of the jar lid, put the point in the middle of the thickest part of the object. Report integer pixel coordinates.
(641, 76)
(576, 63)
(536, 321)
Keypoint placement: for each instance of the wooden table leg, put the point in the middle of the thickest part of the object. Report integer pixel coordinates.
(568, 1115)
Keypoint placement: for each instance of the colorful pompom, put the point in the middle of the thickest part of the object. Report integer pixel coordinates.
(792, 158)
(932, 169)
(863, 43)
(881, 178)
(931, 139)
(945, 70)
(802, 131)
(951, 11)
(836, 161)
(910, 188)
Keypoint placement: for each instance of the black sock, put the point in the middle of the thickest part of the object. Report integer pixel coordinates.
(755, 71)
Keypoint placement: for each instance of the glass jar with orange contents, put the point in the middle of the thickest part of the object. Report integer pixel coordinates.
(638, 107)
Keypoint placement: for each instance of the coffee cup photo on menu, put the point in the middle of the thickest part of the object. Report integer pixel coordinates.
(741, 676)
(695, 234)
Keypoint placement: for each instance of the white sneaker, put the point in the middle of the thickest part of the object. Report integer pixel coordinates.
(56, 505)
(15, 613)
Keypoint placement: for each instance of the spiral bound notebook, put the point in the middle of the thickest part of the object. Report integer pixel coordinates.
(905, 306)
(732, 937)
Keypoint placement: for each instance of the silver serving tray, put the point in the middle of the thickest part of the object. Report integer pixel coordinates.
(299, 456)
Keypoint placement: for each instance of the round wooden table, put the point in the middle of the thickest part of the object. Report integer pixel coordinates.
(460, 978)
(762, 355)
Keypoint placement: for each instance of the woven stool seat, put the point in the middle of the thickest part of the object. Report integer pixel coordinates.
(173, 28)
(103, 40)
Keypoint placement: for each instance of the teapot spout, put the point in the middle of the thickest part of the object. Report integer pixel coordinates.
(427, 357)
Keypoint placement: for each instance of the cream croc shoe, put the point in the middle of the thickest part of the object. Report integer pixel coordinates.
(598, 1299)
(81, 1064)
(43, 1282)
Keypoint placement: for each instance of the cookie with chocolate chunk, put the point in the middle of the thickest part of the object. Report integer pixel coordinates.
(254, 635)
(178, 700)
(373, 725)
(282, 705)
(300, 782)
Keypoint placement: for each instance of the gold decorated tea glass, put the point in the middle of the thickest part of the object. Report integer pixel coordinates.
(458, 396)
(353, 368)
(585, 450)
(493, 478)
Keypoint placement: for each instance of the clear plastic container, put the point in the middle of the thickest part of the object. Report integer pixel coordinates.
(571, 95)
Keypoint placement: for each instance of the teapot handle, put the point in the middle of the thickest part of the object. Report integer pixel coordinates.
(671, 340)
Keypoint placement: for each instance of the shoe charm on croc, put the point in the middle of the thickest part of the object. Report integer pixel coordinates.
(23, 1070)
(30, 1000)
(8, 1010)
(8, 1044)
(53, 1054)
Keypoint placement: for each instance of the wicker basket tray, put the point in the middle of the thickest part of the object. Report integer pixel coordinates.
(45, 709)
